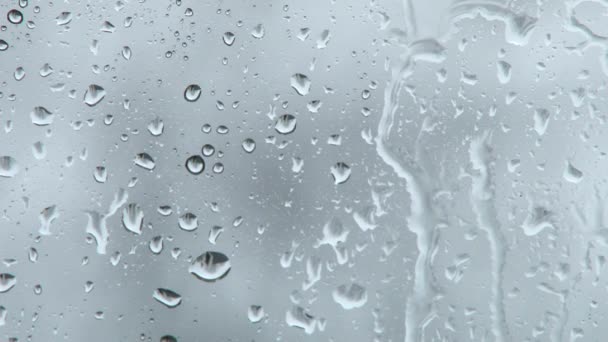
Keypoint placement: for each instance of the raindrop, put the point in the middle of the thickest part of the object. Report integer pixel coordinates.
(208, 150)
(19, 73)
(3, 45)
(156, 244)
(107, 27)
(7, 281)
(46, 70)
(210, 266)
(145, 161)
(8, 167)
(188, 222)
(133, 218)
(255, 313)
(214, 233)
(258, 31)
(93, 95)
(350, 296)
(228, 38)
(14, 16)
(165, 210)
(47, 216)
(340, 172)
(100, 174)
(572, 174)
(168, 338)
(167, 297)
(126, 52)
(300, 83)
(156, 127)
(195, 165)
(41, 116)
(64, 18)
(192, 93)
(218, 167)
(285, 124)
(248, 145)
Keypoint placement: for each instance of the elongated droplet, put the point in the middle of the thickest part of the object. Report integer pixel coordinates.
(300, 83)
(210, 266)
(94, 94)
(133, 218)
(167, 297)
(145, 161)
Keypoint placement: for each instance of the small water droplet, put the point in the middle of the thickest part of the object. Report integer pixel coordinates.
(94, 94)
(19, 73)
(258, 31)
(3, 45)
(126, 52)
(41, 116)
(255, 313)
(228, 38)
(8, 167)
(340, 172)
(133, 218)
(572, 174)
(168, 338)
(145, 161)
(156, 244)
(7, 282)
(188, 222)
(167, 297)
(156, 127)
(350, 296)
(64, 18)
(100, 174)
(248, 145)
(218, 167)
(192, 93)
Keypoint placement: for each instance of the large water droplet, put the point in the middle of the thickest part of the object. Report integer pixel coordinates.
(133, 218)
(169, 298)
(188, 222)
(8, 167)
(210, 266)
(41, 116)
(93, 95)
(300, 83)
(195, 165)
(145, 161)
(340, 172)
(14, 16)
(7, 281)
(192, 93)
(285, 124)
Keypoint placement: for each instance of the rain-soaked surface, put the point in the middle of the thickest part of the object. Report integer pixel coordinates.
(384, 170)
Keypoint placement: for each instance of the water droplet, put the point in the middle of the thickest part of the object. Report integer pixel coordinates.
(107, 27)
(3, 45)
(195, 165)
(503, 72)
(350, 296)
(145, 161)
(37, 289)
(572, 174)
(297, 317)
(214, 233)
(100, 174)
(188, 222)
(156, 244)
(300, 83)
(133, 218)
(7, 281)
(23, 3)
(165, 210)
(340, 172)
(156, 127)
(210, 266)
(46, 70)
(47, 216)
(14, 16)
(8, 167)
(221, 129)
(248, 145)
(19, 73)
(64, 18)
(168, 338)
(258, 31)
(94, 94)
(39, 150)
(229, 38)
(41, 116)
(218, 167)
(285, 124)
(189, 12)
(192, 93)
(33, 255)
(255, 313)
(208, 150)
(167, 297)
(126, 52)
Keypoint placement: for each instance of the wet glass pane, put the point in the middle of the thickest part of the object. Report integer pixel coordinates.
(330, 170)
